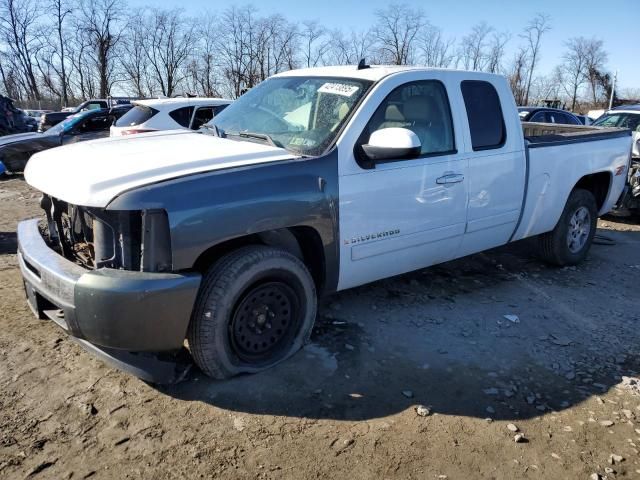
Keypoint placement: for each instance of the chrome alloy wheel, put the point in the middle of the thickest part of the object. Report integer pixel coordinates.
(579, 230)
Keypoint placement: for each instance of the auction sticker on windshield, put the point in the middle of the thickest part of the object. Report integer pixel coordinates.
(339, 89)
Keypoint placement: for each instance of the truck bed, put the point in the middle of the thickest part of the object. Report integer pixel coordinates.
(541, 134)
(557, 157)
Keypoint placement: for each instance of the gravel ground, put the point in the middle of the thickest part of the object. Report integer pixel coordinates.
(428, 375)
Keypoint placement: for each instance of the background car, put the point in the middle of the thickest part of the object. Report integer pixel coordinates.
(547, 115)
(627, 116)
(15, 150)
(49, 119)
(168, 114)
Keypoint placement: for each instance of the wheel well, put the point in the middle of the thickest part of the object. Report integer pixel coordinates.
(597, 184)
(303, 242)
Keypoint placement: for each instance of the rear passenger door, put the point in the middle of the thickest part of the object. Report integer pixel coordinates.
(402, 214)
(496, 165)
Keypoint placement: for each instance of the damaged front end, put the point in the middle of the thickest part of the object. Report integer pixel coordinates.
(633, 194)
(105, 277)
(97, 238)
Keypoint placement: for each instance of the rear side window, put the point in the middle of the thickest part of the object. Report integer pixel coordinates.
(182, 116)
(137, 115)
(486, 122)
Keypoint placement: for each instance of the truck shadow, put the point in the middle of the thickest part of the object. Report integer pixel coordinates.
(439, 337)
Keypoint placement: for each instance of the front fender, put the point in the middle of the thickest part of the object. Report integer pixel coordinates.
(210, 208)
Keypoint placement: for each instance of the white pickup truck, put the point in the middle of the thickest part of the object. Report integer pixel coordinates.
(314, 181)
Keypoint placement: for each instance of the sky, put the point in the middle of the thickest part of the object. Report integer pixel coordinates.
(613, 21)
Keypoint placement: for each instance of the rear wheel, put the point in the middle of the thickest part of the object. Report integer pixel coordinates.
(256, 307)
(569, 242)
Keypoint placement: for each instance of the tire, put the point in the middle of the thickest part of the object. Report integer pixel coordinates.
(569, 242)
(256, 307)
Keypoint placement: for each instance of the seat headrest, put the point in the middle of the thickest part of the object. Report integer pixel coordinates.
(419, 108)
(342, 111)
(393, 114)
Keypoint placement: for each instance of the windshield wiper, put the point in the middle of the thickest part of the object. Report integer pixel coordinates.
(257, 136)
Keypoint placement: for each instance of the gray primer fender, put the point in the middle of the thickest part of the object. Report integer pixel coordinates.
(209, 208)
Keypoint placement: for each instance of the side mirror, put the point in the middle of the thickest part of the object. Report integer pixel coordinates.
(392, 144)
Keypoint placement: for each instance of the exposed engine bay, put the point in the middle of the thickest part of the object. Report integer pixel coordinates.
(97, 238)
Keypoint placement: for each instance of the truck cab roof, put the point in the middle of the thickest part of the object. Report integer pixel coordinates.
(373, 72)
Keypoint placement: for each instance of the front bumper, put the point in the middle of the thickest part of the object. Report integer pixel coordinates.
(117, 309)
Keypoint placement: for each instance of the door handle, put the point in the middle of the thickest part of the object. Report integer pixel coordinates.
(451, 178)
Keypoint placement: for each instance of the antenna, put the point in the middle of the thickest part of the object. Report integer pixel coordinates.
(362, 64)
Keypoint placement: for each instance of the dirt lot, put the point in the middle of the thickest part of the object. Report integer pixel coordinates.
(345, 407)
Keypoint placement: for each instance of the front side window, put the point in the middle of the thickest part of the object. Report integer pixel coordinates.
(423, 108)
(486, 122)
(301, 114)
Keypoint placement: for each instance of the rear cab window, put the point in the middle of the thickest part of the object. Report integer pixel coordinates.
(486, 121)
(136, 116)
(182, 116)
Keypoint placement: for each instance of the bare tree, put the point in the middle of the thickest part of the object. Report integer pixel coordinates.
(574, 67)
(170, 42)
(349, 49)
(596, 60)
(133, 59)
(496, 50)
(315, 43)
(436, 51)
(18, 26)
(396, 31)
(472, 51)
(518, 75)
(61, 9)
(535, 29)
(102, 22)
(204, 68)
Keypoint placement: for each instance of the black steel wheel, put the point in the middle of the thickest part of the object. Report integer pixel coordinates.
(264, 321)
(256, 307)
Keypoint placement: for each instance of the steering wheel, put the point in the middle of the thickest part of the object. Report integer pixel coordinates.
(282, 124)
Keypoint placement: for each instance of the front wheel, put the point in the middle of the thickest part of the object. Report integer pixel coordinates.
(569, 242)
(256, 307)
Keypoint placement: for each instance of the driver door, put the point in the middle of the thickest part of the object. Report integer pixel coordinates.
(403, 214)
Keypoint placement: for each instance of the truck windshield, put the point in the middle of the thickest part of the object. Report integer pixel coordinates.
(300, 114)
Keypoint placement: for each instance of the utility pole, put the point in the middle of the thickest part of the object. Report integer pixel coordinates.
(613, 89)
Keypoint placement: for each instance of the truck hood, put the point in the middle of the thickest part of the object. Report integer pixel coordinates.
(93, 173)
